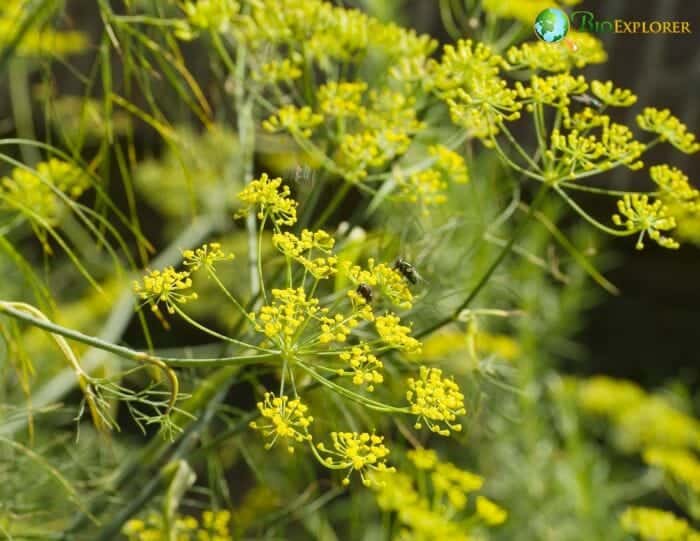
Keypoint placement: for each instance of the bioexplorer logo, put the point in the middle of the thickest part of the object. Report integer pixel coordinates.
(552, 25)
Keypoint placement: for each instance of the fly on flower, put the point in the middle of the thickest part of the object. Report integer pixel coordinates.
(588, 100)
(366, 291)
(407, 270)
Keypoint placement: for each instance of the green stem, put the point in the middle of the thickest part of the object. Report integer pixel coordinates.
(215, 334)
(539, 197)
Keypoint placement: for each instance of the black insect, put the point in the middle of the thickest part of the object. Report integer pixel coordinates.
(366, 292)
(407, 270)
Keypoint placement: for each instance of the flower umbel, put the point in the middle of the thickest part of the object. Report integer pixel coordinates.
(271, 198)
(167, 286)
(637, 214)
(356, 452)
(205, 256)
(286, 419)
(435, 400)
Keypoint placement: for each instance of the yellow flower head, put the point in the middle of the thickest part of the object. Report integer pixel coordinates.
(300, 248)
(453, 483)
(167, 286)
(422, 458)
(390, 282)
(449, 163)
(617, 97)
(675, 186)
(669, 128)
(396, 335)
(342, 98)
(38, 192)
(489, 512)
(284, 317)
(271, 198)
(637, 214)
(205, 256)
(364, 367)
(293, 119)
(654, 524)
(679, 464)
(357, 452)
(580, 49)
(437, 401)
(283, 418)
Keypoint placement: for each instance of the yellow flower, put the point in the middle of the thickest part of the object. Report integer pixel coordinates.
(423, 459)
(275, 71)
(365, 368)
(341, 99)
(653, 524)
(357, 452)
(669, 128)
(679, 464)
(296, 120)
(37, 191)
(299, 249)
(637, 214)
(288, 312)
(167, 286)
(271, 198)
(396, 335)
(437, 401)
(389, 281)
(675, 186)
(617, 97)
(286, 419)
(451, 164)
(453, 483)
(207, 255)
(491, 513)
(580, 49)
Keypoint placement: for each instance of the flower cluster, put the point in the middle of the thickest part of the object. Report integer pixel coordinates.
(680, 465)
(360, 452)
(396, 335)
(300, 248)
(437, 401)
(295, 120)
(38, 194)
(639, 419)
(609, 95)
(213, 526)
(365, 368)
(390, 282)
(656, 525)
(434, 509)
(205, 256)
(428, 187)
(669, 128)
(675, 187)
(284, 418)
(167, 286)
(541, 56)
(271, 199)
(468, 79)
(639, 215)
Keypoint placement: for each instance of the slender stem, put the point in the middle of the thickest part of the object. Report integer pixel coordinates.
(539, 197)
(261, 280)
(589, 218)
(33, 316)
(215, 334)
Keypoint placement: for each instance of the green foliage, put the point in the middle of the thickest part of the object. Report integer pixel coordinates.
(313, 275)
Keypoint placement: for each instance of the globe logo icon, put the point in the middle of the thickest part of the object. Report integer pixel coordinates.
(551, 25)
